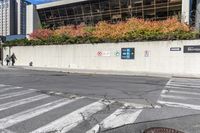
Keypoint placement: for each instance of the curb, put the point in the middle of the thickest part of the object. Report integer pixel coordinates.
(106, 72)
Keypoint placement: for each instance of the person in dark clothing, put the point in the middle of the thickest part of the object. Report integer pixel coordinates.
(13, 58)
(7, 59)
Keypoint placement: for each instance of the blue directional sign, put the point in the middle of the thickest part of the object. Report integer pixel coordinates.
(128, 53)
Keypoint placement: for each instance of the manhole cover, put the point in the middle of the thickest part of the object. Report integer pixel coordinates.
(161, 130)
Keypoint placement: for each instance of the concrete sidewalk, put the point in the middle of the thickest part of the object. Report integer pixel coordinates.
(105, 72)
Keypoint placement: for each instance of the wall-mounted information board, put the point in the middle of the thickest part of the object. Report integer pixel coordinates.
(128, 53)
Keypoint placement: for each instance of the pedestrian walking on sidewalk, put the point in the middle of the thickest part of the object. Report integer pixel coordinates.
(7, 59)
(13, 58)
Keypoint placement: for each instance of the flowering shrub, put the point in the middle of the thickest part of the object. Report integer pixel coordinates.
(131, 30)
(172, 25)
(41, 34)
(72, 31)
(106, 31)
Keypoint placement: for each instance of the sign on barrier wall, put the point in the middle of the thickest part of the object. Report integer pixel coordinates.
(192, 49)
(175, 49)
(128, 53)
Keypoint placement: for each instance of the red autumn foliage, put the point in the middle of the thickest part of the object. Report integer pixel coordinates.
(120, 30)
(41, 34)
(71, 30)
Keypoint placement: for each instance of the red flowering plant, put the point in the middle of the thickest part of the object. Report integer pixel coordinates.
(72, 31)
(41, 34)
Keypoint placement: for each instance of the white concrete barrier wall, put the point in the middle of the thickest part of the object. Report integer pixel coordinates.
(158, 57)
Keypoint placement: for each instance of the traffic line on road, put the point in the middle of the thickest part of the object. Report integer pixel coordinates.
(164, 91)
(185, 92)
(22, 101)
(182, 88)
(2, 85)
(15, 94)
(10, 88)
(28, 114)
(69, 121)
(6, 131)
(186, 83)
(185, 80)
(182, 105)
(119, 118)
(178, 97)
(169, 82)
(183, 85)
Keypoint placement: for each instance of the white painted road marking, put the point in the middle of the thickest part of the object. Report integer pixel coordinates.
(181, 88)
(178, 97)
(185, 92)
(22, 101)
(28, 114)
(178, 89)
(15, 94)
(118, 118)
(2, 85)
(66, 123)
(186, 86)
(6, 131)
(183, 105)
(10, 88)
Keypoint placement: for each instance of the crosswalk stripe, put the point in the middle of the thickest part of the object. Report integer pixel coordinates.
(69, 121)
(181, 88)
(6, 131)
(187, 86)
(186, 79)
(178, 97)
(186, 83)
(118, 118)
(169, 82)
(10, 88)
(184, 92)
(28, 114)
(182, 105)
(164, 91)
(14, 94)
(2, 85)
(22, 101)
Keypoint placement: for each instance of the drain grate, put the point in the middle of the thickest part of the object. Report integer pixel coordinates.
(161, 130)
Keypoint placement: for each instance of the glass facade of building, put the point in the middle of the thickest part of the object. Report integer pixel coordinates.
(90, 12)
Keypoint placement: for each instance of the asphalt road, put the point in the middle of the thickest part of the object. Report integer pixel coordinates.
(44, 102)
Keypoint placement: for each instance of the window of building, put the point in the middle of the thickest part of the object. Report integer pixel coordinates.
(70, 12)
(55, 13)
(91, 12)
(95, 8)
(48, 14)
(78, 10)
(104, 6)
(86, 9)
(114, 5)
(62, 12)
(42, 15)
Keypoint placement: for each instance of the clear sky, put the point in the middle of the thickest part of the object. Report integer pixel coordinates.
(40, 1)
